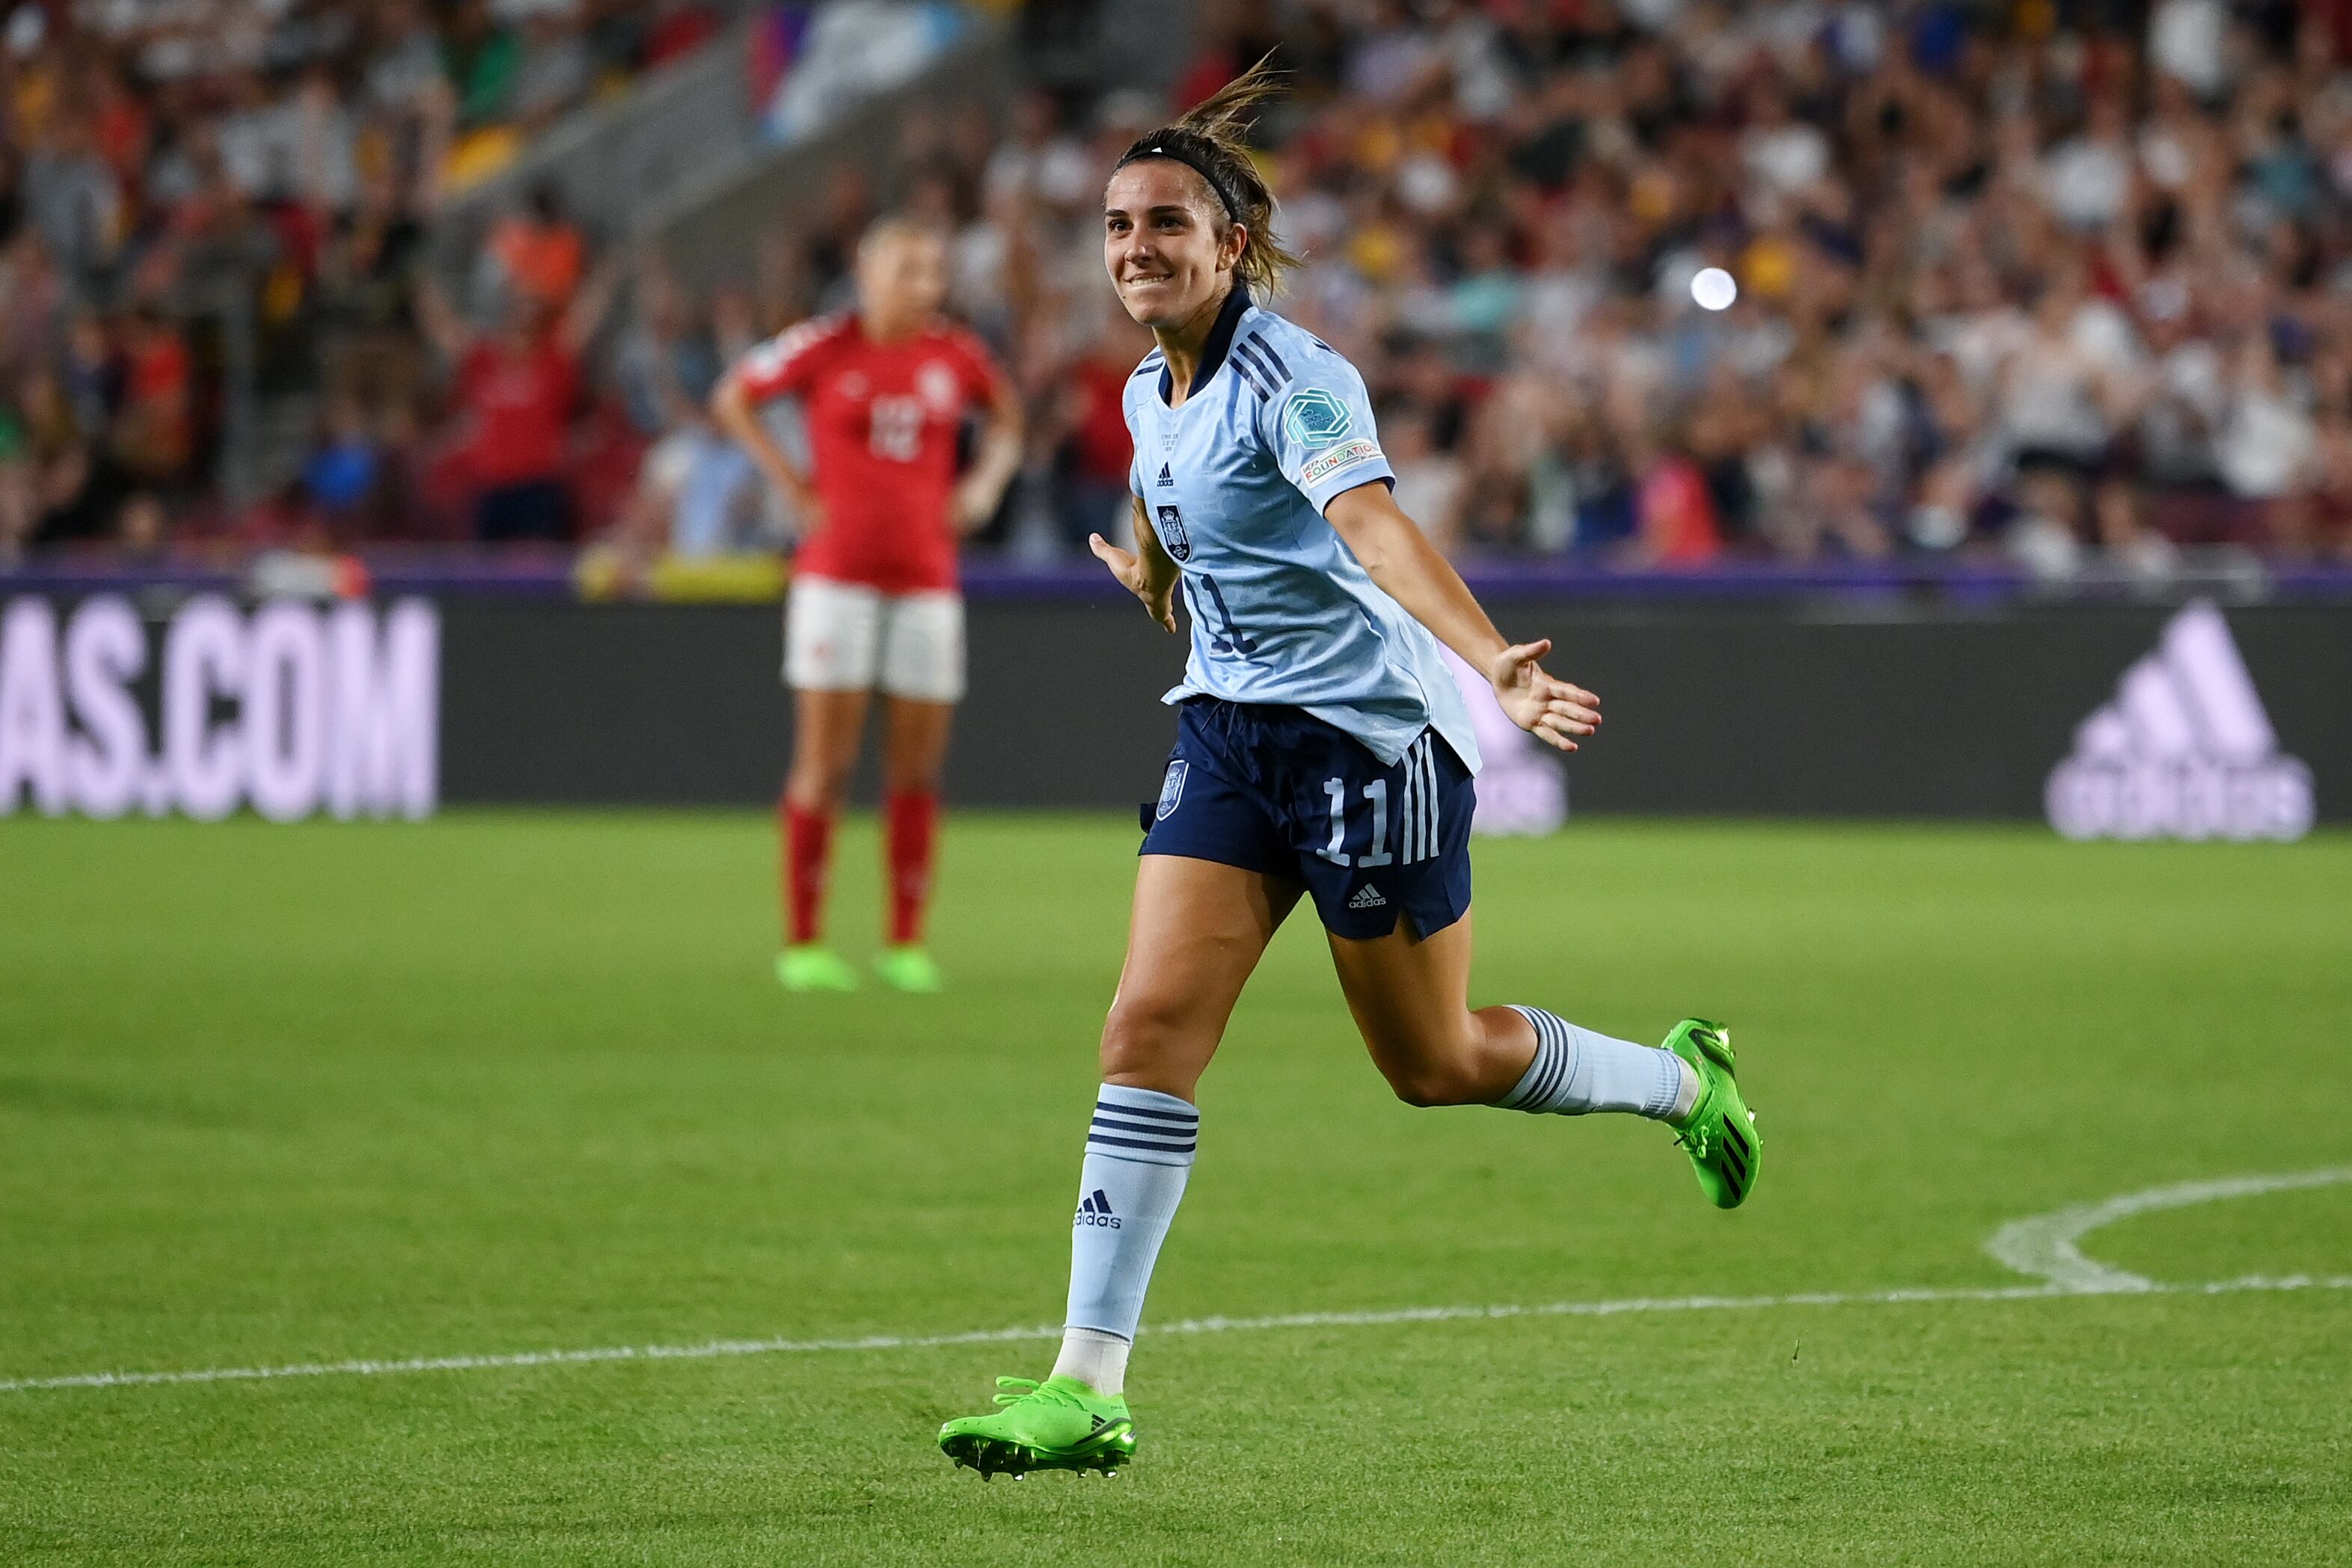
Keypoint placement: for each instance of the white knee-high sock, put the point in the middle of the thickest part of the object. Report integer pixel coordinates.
(1577, 1071)
(1138, 1154)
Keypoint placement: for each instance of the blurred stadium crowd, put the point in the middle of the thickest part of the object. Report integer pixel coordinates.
(182, 181)
(2043, 280)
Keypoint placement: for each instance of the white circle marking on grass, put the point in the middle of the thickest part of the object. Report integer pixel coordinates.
(2044, 1247)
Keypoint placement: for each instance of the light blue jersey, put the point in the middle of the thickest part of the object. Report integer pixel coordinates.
(1235, 483)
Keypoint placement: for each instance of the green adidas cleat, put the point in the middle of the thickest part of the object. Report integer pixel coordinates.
(809, 967)
(907, 967)
(1720, 1134)
(1057, 1425)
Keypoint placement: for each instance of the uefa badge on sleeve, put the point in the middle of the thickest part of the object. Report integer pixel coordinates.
(1315, 418)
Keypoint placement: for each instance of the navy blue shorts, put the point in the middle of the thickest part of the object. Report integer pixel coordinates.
(1275, 789)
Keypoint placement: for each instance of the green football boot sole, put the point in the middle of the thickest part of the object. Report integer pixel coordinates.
(909, 968)
(809, 967)
(1720, 1136)
(1060, 1424)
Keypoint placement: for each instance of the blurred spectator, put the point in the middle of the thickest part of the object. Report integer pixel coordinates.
(345, 473)
(1096, 454)
(539, 254)
(514, 391)
(698, 496)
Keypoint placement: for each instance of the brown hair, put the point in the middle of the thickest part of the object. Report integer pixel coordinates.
(1212, 140)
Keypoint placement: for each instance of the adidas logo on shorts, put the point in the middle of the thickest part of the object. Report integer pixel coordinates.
(1368, 898)
(2183, 750)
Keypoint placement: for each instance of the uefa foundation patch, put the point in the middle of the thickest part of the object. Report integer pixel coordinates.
(1327, 463)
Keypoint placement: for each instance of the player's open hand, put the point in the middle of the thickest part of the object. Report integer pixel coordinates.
(1552, 710)
(1128, 567)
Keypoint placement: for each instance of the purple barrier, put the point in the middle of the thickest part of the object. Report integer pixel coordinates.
(2231, 577)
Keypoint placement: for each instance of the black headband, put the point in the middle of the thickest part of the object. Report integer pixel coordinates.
(1159, 147)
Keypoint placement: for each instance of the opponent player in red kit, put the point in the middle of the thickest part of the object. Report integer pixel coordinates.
(886, 389)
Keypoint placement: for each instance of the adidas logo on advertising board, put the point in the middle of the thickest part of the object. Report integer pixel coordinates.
(2184, 751)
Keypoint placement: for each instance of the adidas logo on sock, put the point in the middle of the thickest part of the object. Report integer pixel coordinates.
(1095, 1209)
(1368, 898)
(1166, 478)
(2184, 751)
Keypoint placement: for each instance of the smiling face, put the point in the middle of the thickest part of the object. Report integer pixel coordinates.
(1160, 242)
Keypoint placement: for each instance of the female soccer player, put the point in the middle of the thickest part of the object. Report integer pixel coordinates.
(1321, 748)
(874, 600)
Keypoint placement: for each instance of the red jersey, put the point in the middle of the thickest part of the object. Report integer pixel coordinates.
(882, 423)
(518, 406)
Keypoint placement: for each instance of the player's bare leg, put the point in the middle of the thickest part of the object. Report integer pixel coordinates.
(826, 728)
(914, 757)
(1197, 933)
(1410, 997)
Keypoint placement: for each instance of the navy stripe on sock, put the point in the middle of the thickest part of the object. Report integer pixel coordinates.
(1530, 1089)
(1094, 1139)
(1554, 1051)
(1190, 1117)
(1139, 1130)
(1555, 1063)
(1564, 1041)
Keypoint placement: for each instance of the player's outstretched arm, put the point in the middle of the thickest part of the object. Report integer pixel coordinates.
(1411, 570)
(1148, 572)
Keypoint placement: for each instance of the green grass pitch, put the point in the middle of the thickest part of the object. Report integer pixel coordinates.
(505, 1083)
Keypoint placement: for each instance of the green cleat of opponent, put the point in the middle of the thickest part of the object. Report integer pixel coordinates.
(1057, 1425)
(907, 967)
(808, 967)
(1719, 1135)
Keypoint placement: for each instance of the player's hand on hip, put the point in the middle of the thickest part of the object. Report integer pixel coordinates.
(973, 504)
(800, 499)
(1553, 710)
(1128, 567)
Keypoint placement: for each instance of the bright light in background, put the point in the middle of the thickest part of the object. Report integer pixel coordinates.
(1713, 288)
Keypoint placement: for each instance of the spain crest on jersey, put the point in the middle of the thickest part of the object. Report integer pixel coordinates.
(1173, 534)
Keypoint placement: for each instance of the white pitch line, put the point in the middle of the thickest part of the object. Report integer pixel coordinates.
(714, 1349)
(2044, 1247)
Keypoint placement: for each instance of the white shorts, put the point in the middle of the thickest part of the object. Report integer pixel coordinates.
(845, 637)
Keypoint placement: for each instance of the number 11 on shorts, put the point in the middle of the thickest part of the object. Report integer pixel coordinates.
(1377, 793)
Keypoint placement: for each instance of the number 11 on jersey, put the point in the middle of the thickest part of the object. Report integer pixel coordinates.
(1224, 635)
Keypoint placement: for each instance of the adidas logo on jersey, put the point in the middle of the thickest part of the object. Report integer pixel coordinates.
(1368, 898)
(1166, 478)
(1095, 1209)
(2184, 751)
